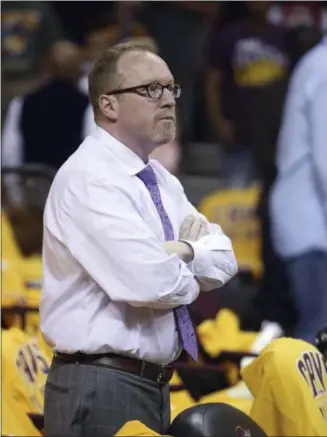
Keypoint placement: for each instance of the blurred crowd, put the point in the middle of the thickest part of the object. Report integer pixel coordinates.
(234, 61)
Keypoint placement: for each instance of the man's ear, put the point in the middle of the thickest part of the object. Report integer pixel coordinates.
(109, 106)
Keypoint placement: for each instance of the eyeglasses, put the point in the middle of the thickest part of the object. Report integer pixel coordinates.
(153, 90)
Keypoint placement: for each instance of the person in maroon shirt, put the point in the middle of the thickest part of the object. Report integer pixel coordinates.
(247, 72)
(248, 68)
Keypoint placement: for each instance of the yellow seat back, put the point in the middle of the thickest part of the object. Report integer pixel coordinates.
(24, 369)
(8, 239)
(14, 420)
(12, 284)
(12, 280)
(235, 211)
(21, 278)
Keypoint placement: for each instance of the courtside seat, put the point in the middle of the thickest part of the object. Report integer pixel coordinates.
(214, 420)
(14, 420)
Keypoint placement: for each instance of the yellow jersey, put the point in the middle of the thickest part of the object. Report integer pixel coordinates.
(289, 384)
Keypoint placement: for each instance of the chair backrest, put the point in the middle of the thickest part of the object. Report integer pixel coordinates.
(21, 278)
(24, 369)
(288, 381)
(28, 185)
(33, 297)
(10, 247)
(214, 420)
(12, 290)
(14, 420)
(30, 267)
(235, 211)
(25, 189)
(12, 284)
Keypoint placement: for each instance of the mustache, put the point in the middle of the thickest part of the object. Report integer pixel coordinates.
(166, 117)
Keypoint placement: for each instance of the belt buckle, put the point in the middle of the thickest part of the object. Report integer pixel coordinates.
(160, 376)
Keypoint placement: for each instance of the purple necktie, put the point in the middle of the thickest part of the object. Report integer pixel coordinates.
(182, 315)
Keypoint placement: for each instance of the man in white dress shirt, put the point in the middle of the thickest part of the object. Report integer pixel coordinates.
(124, 254)
(299, 196)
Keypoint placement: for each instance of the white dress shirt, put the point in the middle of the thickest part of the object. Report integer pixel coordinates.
(299, 197)
(108, 285)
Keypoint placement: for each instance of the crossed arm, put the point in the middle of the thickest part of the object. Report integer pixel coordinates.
(214, 261)
(118, 250)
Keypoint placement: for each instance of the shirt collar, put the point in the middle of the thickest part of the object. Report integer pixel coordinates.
(132, 163)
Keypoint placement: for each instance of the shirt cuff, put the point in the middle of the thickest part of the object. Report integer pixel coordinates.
(203, 266)
(213, 242)
(203, 247)
(200, 258)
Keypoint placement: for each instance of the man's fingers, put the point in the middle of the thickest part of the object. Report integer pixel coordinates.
(186, 226)
(187, 222)
(204, 230)
(195, 229)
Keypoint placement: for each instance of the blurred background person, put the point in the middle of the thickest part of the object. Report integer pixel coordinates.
(28, 29)
(118, 22)
(47, 125)
(98, 41)
(299, 195)
(247, 71)
(95, 44)
(274, 300)
(300, 40)
(248, 65)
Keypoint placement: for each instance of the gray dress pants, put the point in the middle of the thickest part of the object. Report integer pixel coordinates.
(91, 401)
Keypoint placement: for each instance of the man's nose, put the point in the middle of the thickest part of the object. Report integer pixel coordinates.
(167, 98)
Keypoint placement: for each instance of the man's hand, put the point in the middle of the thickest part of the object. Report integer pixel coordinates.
(183, 250)
(193, 228)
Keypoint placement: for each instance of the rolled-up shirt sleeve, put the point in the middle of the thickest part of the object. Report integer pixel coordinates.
(214, 261)
(105, 233)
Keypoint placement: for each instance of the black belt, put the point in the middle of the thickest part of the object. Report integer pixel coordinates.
(144, 369)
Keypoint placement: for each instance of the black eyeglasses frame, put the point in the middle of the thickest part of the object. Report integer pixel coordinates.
(139, 88)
